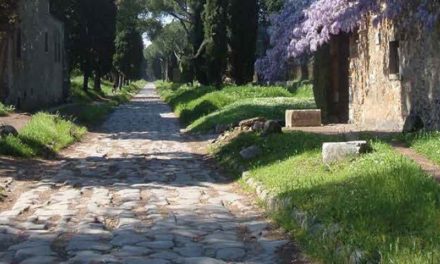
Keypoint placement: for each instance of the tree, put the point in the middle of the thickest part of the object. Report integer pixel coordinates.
(243, 26)
(153, 58)
(103, 30)
(273, 65)
(129, 53)
(90, 34)
(128, 57)
(8, 10)
(189, 14)
(215, 21)
(197, 37)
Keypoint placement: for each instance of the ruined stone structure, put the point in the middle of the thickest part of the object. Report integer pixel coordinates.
(381, 78)
(32, 61)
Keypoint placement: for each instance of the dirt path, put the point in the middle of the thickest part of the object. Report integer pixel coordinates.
(426, 165)
(16, 120)
(138, 192)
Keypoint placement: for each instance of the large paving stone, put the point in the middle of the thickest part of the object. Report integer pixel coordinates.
(202, 260)
(129, 238)
(157, 244)
(78, 245)
(25, 253)
(230, 254)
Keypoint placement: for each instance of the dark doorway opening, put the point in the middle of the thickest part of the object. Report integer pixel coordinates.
(338, 93)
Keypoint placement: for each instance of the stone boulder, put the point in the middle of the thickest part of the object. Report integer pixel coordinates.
(251, 122)
(7, 130)
(339, 151)
(251, 152)
(272, 127)
(258, 126)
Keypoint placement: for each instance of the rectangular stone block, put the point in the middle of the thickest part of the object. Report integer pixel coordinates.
(333, 152)
(303, 118)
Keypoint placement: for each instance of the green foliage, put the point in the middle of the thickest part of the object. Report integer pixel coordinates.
(91, 108)
(201, 108)
(215, 25)
(6, 110)
(90, 33)
(272, 5)
(380, 205)
(128, 57)
(8, 12)
(243, 25)
(43, 136)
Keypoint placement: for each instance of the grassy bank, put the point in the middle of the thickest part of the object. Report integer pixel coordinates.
(380, 208)
(426, 143)
(201, 108)
(43, 136)
(91, 108)
(5, 110)
(48, 133)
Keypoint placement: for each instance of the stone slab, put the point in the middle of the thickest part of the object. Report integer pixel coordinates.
(333, 152)
(303, 118)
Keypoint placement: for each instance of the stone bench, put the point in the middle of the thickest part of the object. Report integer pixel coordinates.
(303, 118)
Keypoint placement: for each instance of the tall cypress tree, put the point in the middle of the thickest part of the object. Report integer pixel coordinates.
(215, 24)
(197, 37)
(243, 27)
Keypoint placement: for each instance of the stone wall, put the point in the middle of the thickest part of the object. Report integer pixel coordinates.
(420, 67)
(383, 97)
(383, 100)
(375, 94)
(36, 78)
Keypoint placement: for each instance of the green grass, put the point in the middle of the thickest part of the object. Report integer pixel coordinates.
(381, 204)
(271, 108)
(43, 136)
(201, 108)
(91, 108)
(6, 110)
(426, 143)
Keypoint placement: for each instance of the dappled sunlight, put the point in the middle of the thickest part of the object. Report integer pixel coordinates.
(135, 190)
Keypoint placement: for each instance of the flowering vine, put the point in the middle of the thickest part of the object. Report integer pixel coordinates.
(305, 25)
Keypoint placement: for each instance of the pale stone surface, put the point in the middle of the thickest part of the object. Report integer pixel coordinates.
(339, 151)
(137, 192)
(303, 118)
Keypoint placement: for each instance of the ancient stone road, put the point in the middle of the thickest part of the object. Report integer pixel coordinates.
(136, 192)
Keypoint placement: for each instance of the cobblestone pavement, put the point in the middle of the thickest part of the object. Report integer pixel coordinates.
(136, 192)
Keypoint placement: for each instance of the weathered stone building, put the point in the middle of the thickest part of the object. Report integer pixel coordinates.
(32, 61)
(381, 77)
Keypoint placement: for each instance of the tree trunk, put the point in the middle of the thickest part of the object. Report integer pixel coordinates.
(86, 81)
(121, 81)
(97, 83)
(116, 82)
